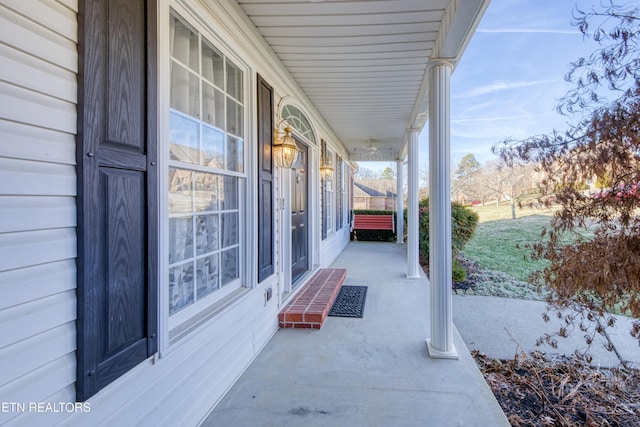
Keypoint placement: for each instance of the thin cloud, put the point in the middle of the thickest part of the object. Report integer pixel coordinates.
(505, 85)
(527, 30)
(499, 127)
(494, 119)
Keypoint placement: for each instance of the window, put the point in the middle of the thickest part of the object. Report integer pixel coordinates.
(329, 196)
(206, 173)
(299, 121)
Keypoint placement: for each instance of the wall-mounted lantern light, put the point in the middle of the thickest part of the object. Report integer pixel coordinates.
(285, 151)
(326, 171)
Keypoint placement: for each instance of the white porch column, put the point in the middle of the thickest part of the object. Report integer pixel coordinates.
(399, 199)
(413, 261)
(440, 344)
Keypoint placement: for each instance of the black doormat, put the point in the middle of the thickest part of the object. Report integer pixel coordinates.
(349, 302)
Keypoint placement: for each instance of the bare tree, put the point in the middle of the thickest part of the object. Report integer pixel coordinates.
(365, 173)
(508, 182)
(486, 181)
(423, 190)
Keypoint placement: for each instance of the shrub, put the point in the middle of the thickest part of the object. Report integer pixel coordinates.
(457, 271)
(464, 222)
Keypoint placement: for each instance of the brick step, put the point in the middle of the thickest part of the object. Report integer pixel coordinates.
(311, 305)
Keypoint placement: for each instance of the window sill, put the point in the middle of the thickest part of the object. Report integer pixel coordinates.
(184, 329)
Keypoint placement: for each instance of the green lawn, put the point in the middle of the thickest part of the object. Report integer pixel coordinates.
(494, 246)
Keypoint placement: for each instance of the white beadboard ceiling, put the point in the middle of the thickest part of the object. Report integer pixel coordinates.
(362, 63)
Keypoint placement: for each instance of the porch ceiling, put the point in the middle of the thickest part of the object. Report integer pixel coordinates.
(363, 64)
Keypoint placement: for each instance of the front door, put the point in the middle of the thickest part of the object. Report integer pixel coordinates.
(299, 216)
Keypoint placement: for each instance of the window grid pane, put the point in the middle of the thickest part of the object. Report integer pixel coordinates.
(212, 65)
(184, 43)
(185, 88)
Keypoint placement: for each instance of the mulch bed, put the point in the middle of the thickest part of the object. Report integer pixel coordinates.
(472, 268)
(536, 391)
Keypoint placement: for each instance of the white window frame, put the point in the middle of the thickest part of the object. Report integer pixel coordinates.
(191, 317)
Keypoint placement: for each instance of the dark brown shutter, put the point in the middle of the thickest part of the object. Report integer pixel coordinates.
(323, 188)
(351, 187)
(117, 190)
(265, 180)
(338, 193)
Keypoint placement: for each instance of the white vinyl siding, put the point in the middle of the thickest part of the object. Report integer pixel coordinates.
(38, 49)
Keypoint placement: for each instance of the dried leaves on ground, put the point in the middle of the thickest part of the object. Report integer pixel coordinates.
(539, 391)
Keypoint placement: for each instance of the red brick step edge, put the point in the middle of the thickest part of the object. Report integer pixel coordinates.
(310, 307)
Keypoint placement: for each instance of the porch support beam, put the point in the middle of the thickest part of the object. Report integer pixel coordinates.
(440, 344)
(413, 261)
(399, 200)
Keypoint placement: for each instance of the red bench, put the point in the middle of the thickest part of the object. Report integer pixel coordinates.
(373, 222)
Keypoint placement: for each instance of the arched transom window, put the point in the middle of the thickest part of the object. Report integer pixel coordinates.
(299, 122)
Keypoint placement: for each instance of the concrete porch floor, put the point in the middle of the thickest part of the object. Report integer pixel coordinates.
(372, 371)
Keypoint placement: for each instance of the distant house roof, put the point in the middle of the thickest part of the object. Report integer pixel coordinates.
(375, 187)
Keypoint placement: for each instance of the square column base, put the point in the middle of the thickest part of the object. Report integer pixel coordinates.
(434, 353)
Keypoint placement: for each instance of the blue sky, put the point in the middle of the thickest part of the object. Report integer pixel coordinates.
(511, 76)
